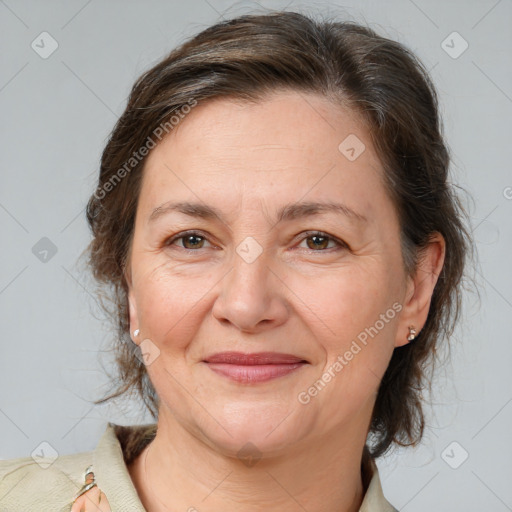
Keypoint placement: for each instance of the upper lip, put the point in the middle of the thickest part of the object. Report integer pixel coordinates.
(254, 358)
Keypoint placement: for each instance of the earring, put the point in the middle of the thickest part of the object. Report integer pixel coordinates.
(136, 333)
(412, 333)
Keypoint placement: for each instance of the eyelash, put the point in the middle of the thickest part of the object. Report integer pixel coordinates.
(308, 234)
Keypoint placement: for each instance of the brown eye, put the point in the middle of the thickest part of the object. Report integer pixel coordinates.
(319, 242)
(190, 241)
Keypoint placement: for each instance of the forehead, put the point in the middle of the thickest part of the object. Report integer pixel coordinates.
(288, 144)
(283, 120)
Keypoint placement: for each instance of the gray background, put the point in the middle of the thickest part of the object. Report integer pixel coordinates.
(56, 114)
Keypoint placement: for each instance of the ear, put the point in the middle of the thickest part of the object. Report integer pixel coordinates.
(420, 287)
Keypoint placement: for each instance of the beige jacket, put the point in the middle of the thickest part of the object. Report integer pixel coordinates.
(26, 485)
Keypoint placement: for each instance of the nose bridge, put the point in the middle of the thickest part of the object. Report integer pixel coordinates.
(250, 295)
(251, 266)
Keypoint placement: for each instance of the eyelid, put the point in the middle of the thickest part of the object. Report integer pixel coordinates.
(303, 236)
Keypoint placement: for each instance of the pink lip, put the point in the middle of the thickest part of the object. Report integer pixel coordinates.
(256, 358)
(258, 367)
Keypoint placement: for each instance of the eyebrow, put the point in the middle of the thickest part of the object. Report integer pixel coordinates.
(288, 212)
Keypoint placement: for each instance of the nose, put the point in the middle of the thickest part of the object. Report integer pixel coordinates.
(252, 297)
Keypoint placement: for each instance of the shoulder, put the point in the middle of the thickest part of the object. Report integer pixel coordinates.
(28, 484)
(43, 483)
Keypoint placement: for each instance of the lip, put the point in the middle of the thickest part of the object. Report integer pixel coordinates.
(252, 368)
(256, 358)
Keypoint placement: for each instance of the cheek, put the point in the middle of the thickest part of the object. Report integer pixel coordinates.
(357, 326)
(348, 300)
(169, 303)
(357, 344)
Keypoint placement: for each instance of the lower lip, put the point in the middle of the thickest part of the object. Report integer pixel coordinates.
(254, 373)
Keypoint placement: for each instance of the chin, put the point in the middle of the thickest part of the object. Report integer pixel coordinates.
(268, 431)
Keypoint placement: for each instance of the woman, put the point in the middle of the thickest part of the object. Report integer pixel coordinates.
(274, 220)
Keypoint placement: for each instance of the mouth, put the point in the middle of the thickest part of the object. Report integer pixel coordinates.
(252, 368)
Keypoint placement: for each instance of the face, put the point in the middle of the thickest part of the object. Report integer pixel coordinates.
(324, 285)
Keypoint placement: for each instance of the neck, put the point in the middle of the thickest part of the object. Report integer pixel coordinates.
(179, 471)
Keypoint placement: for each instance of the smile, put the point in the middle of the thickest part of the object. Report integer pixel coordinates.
(254, 373)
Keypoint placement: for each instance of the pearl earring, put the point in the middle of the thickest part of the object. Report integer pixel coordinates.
(136, 333)
(412, 333)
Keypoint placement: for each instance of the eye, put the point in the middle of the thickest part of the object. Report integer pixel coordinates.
(191, 240)
(318, 241)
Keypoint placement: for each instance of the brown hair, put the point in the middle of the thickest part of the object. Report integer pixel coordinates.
(245, 58)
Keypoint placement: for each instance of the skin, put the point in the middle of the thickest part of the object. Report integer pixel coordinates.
(94, 500)
(248, 161)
